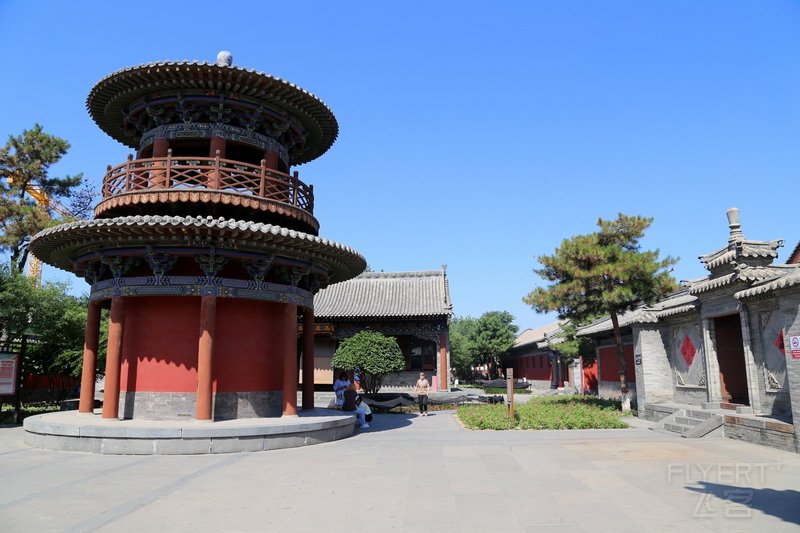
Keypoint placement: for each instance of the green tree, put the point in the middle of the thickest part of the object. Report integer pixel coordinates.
(54, 319)
(373, 354)
(463, 352)
(604, 272)
(570, 347)
(495, 334)
(25, 163)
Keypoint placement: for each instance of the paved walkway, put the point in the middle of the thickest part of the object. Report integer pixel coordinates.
(407, 473)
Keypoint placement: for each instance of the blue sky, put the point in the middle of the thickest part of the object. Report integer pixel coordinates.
(476, 134)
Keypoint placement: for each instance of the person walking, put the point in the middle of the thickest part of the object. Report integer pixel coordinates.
(422, 388)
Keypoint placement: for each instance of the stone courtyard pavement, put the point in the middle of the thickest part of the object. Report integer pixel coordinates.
(407, 473)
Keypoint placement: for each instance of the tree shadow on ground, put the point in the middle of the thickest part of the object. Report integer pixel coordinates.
(388, 421)
(783, 504)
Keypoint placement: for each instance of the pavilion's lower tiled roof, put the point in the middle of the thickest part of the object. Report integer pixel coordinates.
(58, 244)
(386, 295)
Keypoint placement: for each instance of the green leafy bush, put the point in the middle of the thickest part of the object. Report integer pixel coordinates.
(374, 354)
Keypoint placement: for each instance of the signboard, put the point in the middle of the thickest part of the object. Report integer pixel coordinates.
(794, 346)
(637, 359)
(8, 373)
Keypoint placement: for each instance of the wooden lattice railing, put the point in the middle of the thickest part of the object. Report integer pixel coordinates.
(209, 173)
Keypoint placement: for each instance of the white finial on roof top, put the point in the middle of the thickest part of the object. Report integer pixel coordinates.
(224, 59)
(735, 225)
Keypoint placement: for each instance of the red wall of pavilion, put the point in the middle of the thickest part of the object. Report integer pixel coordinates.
(161, 336)
(609, 363)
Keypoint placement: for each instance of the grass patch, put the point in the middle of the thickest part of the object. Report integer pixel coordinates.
(7, 411)
(549, 412)
(499, 390)
(570, 412)
(486, 417)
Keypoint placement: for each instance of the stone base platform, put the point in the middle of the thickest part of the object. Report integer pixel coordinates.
(75, 432)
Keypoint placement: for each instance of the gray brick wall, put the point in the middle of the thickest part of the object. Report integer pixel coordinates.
(181, 405)
(654, 373)
(790, 306)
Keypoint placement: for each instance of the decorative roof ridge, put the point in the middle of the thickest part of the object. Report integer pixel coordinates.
(403, 274)
(741, 248)
(195, 62)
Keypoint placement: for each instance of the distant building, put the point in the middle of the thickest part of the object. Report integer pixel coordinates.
(412, 307)
(533, 359)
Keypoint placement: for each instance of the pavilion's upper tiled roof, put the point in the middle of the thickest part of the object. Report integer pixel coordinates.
(387, 295)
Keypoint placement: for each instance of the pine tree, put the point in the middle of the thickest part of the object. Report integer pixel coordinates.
(604, 272)
(25, 161)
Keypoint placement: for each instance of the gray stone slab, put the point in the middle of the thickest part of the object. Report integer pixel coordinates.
(118, 432)
(127, 446)
(209, 430)
(182, 446)
(277, 442)
(236, 445)
(154, 433)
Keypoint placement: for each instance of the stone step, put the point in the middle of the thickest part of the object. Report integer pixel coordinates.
(688, 421)
(744, 410)
(701, 415)
(677, 428)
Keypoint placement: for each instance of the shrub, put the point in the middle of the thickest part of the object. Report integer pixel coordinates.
(373, 354)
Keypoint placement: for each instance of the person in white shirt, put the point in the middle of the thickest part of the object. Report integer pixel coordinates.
(422, 388)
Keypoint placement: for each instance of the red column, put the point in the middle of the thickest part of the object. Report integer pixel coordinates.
(114, 358)
(218, 144)
(272, 160)
(308, 359)
(205, 357)
(160, 147)
(444, 377)
(158, 177)
(290, 360)
(89, 371)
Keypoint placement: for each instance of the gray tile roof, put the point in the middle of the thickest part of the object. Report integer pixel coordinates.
(741, 249)
(387, 295)
(790, 279)
(676, 303)
(541, 335)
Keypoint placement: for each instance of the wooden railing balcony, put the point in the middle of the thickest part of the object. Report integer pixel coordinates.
(208, 174)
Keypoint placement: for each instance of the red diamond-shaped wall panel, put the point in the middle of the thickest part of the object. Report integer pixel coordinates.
(688, 350)
(779, 343)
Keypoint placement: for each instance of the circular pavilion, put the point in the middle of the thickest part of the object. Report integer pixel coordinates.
(204, 245)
